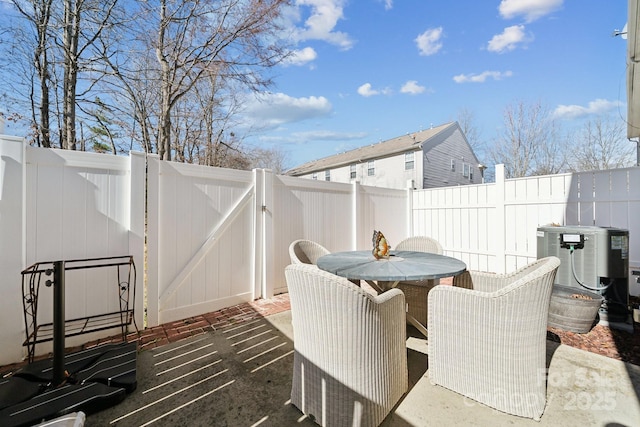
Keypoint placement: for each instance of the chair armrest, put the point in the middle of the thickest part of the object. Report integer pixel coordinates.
(391, 312)
(390, 297)
(480, 281)
(491, 282)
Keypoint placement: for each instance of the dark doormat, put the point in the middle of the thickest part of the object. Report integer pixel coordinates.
(96, 379)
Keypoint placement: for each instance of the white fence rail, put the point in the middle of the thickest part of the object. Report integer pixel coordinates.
(219, 237)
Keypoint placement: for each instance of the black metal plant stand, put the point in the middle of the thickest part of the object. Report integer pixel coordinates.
(88, 380)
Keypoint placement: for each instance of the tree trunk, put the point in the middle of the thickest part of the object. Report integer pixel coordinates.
(164, 119)
(43, 73)
(70, 49)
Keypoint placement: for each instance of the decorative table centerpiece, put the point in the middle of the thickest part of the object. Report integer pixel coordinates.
(381, 247)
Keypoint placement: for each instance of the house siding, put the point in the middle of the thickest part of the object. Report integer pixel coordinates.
(389, 172)
(432, 162)
(437, 156)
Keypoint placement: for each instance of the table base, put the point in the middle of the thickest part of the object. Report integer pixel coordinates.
(383, 286)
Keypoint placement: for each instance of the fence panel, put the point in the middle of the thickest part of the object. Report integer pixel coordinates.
(530, 203)
(68, 205)
(465, 219)
(339, 216)
(308, 209)
(204, 219)
(382, 209)
(78, 207)
(12, 258)
(459, 218)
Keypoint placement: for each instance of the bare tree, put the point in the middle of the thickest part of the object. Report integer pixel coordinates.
(132, 85)
(530, 142)
(197, 38)
(61, 37)
(120, 73)
(38, 14)
(467, 121)
(601, 145)
(274, 159)
(83, 23)
(201, 121)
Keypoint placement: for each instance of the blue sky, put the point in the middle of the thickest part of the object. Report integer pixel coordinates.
(369, 70)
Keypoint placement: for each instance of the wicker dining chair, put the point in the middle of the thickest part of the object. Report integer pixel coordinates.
(488, 337)
(350, 356)
(416, 291)
(303, 251)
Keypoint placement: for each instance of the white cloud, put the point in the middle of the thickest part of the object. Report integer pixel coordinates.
(482, 77)
(274, 109)
(508, 40)
(429, 42)
(301, 57)
(412, 87)
(599, 106)
(388, 4)
(327, 135)
(366, 90)
(321, 23)
(529, 9)
(298, 138)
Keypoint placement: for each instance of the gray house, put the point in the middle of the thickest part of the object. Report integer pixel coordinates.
(436, 157)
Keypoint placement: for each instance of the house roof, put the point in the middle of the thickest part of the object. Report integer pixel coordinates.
(408, 142)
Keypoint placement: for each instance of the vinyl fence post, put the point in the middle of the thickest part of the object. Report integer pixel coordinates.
(355, 189)
(500, 222)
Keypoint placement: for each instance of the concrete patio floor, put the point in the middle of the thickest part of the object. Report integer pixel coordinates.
(244, 379)
(583, 388)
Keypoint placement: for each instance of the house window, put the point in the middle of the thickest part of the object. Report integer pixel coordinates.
(371, 169)
(408, 161)
(453, 165)
(327, 175)
(314, 176)
(470, 173)
(465, 169)
(352, 171)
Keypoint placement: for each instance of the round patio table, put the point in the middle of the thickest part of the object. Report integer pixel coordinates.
(384, 274)
(400, 266)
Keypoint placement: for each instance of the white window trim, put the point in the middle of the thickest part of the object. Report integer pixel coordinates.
(410, 159)
(371, 168)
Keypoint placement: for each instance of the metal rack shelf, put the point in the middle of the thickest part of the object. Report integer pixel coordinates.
(35, 275)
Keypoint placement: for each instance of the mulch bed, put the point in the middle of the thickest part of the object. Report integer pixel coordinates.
(611, 342)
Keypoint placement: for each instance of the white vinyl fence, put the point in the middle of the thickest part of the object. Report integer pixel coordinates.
(492, 227)
(64, 205)
(218, 237)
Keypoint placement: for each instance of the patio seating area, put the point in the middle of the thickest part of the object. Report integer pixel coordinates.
(354, 356)
(584, 388)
